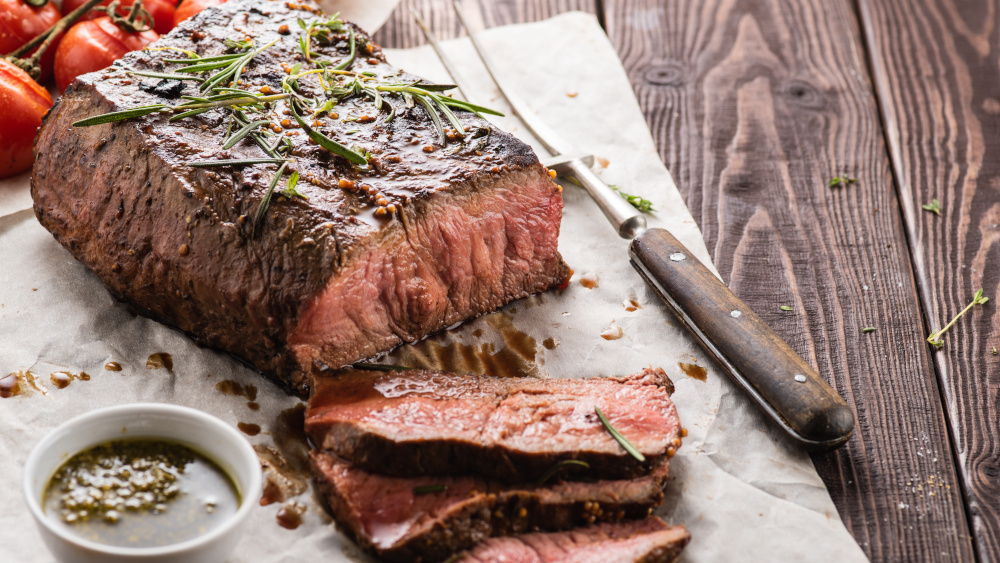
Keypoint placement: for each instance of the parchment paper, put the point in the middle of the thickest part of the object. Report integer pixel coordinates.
(744, 494)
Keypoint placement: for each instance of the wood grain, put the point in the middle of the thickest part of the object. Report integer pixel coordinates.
(755, 105)
(937, 71)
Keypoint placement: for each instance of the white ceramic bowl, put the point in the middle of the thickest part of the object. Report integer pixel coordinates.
(202, 432)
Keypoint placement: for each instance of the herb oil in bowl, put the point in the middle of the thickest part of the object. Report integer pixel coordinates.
(140, 493)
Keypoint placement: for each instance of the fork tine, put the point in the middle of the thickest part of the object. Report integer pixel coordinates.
(456, 79)
(545, 135)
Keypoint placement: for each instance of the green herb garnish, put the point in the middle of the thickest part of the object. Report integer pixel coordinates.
(934, 207)
(290, 190)
(935, 337)
(637, 202)
(617, 436)
(559, 466)
(842, 181)
(868, 329)
(425, 489)
(785, 308)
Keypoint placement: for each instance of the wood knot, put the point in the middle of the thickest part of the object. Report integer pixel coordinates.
(804, 95)
(670, 74)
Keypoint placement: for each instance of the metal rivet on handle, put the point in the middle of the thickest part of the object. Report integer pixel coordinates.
(677, 256)
(800, 378)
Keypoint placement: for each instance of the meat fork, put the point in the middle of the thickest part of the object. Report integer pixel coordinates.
(783, 385)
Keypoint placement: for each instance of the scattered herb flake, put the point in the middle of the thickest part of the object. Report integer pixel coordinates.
(842, 181)
(868, 329)
(290, 190)
(637, 202)
(785, 308)
(621, 439)
(935, 337)
(934, 207)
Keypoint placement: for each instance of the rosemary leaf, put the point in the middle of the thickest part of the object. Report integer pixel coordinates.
(868, 329)
(238, 136)
(785, 308)
(934, 207)
(180, 116)
(425, 489)
(165, 75)
(121, 115)
(350, 59)
(326, 142)
(237, 162)
(557, 467)
(258, 217)
(617, 436)
(200, 60)
(434, 117)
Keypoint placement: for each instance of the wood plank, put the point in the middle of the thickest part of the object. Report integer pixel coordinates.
(755, 106)
(937, 72)
(401, 31)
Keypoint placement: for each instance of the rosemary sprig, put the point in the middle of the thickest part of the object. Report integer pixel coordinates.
(637, 202)
(558, 467)
(935, 337)
(246, 130)
(617, 436)
(425, 489)
(326, 142)
(121, 115)
(166, 75)
(934, 207)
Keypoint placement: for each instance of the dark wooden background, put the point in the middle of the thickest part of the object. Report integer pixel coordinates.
(755, 105)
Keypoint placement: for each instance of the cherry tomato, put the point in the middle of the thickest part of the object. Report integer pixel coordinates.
(189, 8)
(20, 23)
(22, 103)
(162, 11)
(92, 45)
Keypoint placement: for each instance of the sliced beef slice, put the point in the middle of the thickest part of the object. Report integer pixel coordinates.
(643, 541)
(425, 236)
(512, 429)
(429, 518)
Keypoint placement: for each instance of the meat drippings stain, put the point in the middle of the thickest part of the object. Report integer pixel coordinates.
(588, 281)
(248, 428)
(160, 360)
(20, 383)
(113, 366)
(62, 379)
(631, 305)
(550, 343)
(286, 465)
(516, 357)
(613, 332)
(290, 515)
(693, 370)
(235, 389)
(10, 386)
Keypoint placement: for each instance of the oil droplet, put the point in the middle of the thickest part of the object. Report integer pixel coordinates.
(113, 366)
(160, 360)
(290, 515)
(613, 332)
(10, 386)
(677, 257)
(588, 281)
(693, 370)
(61, 379)
(248, 428)
(550, 343)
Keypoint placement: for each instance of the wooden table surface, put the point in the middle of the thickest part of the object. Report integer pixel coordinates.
(755, 105)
